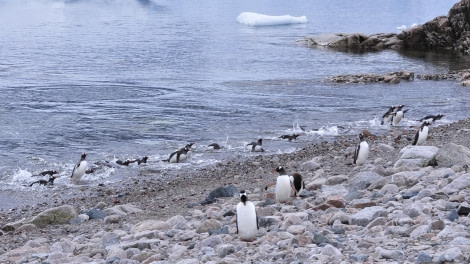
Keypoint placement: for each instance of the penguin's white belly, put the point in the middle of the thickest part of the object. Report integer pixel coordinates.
(363, 153)
(422, 136)
(246, 221)
(397, 118)
(174, 158)
(283, 188)
(79, 171)
(258, 148)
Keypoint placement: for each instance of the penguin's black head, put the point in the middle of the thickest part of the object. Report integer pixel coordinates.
(243, 196)
(260, 141)
(54, 172)
(361, 136)
(84, 156)
(281, 170)
(426, 123)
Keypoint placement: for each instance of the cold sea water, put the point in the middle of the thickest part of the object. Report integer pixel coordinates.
(123, 79)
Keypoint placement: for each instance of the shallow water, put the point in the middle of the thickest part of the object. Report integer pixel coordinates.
(124, 79)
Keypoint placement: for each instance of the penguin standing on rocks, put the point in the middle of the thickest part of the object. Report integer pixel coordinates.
(422, 134)
(297, 183)
(290, 137)
(79, 169)
(256, 146)
(283, 185)
(247, 220)
(362, 151)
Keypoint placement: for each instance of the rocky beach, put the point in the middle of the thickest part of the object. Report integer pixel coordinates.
(407, 204)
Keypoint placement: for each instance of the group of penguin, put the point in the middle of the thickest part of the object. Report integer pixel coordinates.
(292, 185)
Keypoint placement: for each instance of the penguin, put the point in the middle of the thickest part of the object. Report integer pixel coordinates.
(283, 185)
(124, 163)
(398, 115)
(256, 146)
(79, 169)
(214, 145)
(290, 137)
(362, 151)
(48, 172)
(431, 118)
(422, 134)
(179, 155)
(387, 117)
(44, 182)
(247, 220)
(142, 160)
(296, 181)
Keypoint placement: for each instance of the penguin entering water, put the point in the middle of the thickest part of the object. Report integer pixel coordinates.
(387, 117)
(48, 172)
(179, 155)
(398, 115)
(362, 151)
(256, 146)
(247, 220)
(214, 145)
(283, 185)
(44, 182)
(79, 169)
(142, 160)
(290, 137)
(431, 118)
(422, 134)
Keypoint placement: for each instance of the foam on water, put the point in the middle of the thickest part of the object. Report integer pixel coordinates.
(256, 20)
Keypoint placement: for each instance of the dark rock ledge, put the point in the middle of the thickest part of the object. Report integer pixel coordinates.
(463, 76)
(451, 32)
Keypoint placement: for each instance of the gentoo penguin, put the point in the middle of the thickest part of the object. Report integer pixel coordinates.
(398, 115)
(290, 137)
(179, 155)
(79, 169)
(431, 118)
(387, 117)
(142, 160)
(422, 133)
(48, 172)
(44, 182)
(296, 181)
(256, 146)
(124, 163)
(283, 186)
(247, 221)
(214, 145)
(362, 151)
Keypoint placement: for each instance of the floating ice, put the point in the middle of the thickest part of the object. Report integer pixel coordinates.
(256, 20)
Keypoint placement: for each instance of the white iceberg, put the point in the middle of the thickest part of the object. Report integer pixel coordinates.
(256, 20)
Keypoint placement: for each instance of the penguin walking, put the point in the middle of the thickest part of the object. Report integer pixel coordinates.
(247, 220)
(422, 134)
(79, 169)
(362, 151)
(256, 146)
(283, 185)
(179, 155)
(387, 117)
(290, 137)
(398, 115)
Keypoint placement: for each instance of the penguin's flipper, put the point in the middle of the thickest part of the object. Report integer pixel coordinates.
(416, 138)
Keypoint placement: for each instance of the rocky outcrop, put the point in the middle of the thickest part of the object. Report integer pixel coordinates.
(451, 32)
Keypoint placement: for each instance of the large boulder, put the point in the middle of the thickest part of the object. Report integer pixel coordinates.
(452, 154)
(417, 156)
(53, 216)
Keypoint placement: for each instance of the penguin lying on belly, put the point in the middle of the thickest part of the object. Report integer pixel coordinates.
(256, 146)
(178, 156)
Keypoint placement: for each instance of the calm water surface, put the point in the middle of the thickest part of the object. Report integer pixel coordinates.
(123, 79)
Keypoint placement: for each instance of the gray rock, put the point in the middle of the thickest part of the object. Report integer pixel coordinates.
(452, 154)
(417, 156)
(95, 214)
(311, 165)
(458, 184)
(452, 255)
(363, 179)
(224, 250)
(228, 191)
(53, 216)
(424, 258)
(112, 219)
(208, 225)
(366, 215)
(212, 242)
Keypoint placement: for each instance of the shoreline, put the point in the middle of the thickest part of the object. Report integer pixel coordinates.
(182, 196)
